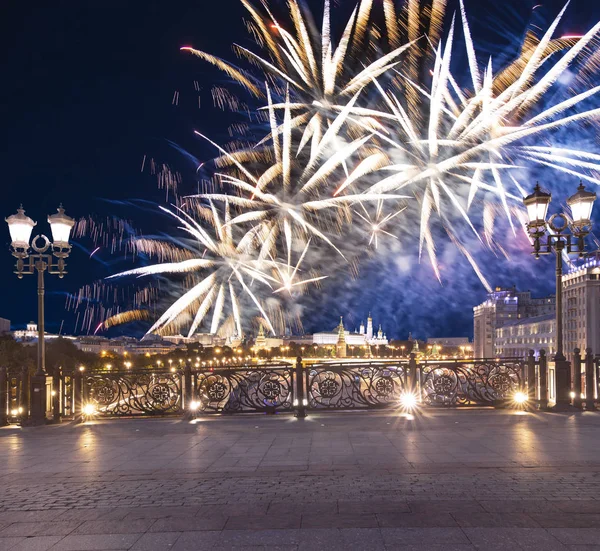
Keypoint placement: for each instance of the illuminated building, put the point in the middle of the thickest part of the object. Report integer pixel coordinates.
(4, 326)
(516, 338)
(362, 337)
(581, 313)
(503, 306)
(453, 342)
(263, 342)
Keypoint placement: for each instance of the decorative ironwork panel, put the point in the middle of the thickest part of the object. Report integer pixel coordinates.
(355, 385)
(133, 393)
(480, 382)
(67, 390)
(15, 391)
(243, 390)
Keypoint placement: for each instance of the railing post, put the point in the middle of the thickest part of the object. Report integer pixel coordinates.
(188, 392)
(299, 402)
(589, 381)
(56, 394)
(531, 386)
(3, 396)
(412, 373)
(577, 378)
(24, 395)
(543, 369)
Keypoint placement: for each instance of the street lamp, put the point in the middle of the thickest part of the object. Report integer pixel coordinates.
(565, 233)
(33, 256)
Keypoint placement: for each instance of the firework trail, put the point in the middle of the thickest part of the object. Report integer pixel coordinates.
(442, 144)
(370, 135)
(219, 264)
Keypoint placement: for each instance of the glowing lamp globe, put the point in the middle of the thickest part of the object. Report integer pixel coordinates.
(61, 226)
(581, 205)
(537, 206)
(20, 227)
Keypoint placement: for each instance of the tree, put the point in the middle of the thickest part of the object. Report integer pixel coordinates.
(14, 355)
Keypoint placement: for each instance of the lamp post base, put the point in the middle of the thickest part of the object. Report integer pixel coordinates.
(563, 386)
(38, 401)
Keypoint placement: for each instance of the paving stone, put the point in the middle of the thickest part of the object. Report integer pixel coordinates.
(263, 522)
(256, 548)
(82, 514)
(7, 517)
(156, 541)
(413, 520)
(578, 506)
(533, 539)
(105, 542)
(58, 528)
(423, 536)
(286, 507)
(497, 520)
(196, 541)
(431, 547)
(188, 524)
(567, 520)
(9, 543)
(138, 526)
(445, 506)
(319, 538)
(339, 521)
(492, 539)
(37, 543)
(519, 506)
(365, 507)
(162, 512)
(233, 509)
(577, 536)
(269, 538)
(365, 539)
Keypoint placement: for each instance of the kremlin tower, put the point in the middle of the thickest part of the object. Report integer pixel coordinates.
(340, 347)
(261, 341)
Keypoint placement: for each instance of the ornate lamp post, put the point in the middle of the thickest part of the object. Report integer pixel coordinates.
(561, 233)
(35, 257)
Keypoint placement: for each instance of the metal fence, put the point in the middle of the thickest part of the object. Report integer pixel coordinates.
(298, 388)
(244, 389)
(468, 383)
(332, 386)
(133, 393)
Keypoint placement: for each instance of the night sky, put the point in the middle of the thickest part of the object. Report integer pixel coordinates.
(87, 90)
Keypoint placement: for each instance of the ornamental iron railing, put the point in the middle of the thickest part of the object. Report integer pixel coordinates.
(244, 389)
(468, 383)
(283, 387)
(344, 385)
(133, 393)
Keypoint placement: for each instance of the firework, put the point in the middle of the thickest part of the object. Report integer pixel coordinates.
(367, 137)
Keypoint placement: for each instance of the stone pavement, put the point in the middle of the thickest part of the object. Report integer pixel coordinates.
(447, 480)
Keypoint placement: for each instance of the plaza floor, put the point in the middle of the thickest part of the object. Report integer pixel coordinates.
(446, 480)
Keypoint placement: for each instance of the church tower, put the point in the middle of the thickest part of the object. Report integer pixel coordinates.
(340, 348)
(261, 341)
(415, 349)
(369, 327)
